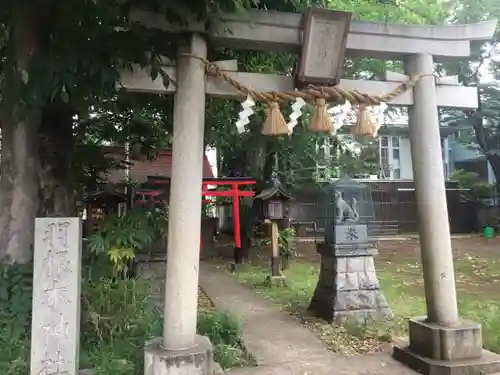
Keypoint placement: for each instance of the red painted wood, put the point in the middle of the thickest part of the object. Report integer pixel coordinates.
(235, 193)
(236, 215)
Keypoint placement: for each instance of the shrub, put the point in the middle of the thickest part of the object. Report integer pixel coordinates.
(224, 332)
(15, 318)
(220, 327)
(117, 318)
(286, 242)
(118, 309)
(121, 237)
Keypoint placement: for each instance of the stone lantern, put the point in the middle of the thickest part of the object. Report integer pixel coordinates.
(348, 286)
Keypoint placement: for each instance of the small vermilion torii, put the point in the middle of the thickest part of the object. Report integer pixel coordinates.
(234, 192)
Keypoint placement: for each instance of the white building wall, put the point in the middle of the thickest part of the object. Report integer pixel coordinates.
(491, 175)
(211, 154)
(405, 163)
(405, 159)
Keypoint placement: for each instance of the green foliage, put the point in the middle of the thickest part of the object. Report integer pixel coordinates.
(470, 180)
(117, 310)
(220, 327)
(122, 237)
(15, 291)
(116, 320)
(15, 318)
(479, 129)
(286, 242)
(298, 155)
(404, 11)
(224, 331)
(143, 121)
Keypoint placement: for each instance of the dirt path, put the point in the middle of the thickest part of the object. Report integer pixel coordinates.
(280, 345)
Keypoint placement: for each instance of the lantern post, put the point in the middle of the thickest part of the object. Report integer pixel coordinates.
(274, 207)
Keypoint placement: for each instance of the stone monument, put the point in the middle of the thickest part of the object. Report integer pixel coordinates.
(55, 330)
(348, 286)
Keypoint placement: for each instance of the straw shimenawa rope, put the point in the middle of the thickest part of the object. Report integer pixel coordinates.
(275, 124)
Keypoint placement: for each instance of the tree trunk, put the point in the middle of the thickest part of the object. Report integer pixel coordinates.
(19, 120)
(18, 191)
(57, 191)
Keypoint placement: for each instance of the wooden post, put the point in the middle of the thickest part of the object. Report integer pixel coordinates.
(275, 257)
(276, 278)
(238, 258)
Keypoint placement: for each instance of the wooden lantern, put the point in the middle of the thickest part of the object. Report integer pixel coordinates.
(274, 200)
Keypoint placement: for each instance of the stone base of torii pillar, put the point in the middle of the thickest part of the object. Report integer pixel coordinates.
(196, 360)
(439, 350)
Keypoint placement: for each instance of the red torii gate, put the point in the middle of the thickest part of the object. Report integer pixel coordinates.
(234, 192)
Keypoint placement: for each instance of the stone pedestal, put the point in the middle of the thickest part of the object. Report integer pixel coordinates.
(197, 360)
(436, 350)
(348, 286)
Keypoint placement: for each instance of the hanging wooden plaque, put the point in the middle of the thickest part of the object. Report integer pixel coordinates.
(324, 42)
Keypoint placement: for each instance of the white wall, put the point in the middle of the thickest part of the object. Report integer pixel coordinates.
(491, 175)
(211, 154)
(405, 159)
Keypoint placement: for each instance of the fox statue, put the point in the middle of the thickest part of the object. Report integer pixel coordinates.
(346, 213)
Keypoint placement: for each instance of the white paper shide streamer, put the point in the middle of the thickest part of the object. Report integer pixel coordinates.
(244, 114)
(297, 106)
(339, 115)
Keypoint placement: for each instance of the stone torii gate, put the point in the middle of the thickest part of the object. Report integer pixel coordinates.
(438, 342)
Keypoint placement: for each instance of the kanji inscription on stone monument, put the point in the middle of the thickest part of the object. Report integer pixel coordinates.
(56, 297)
(351, 234)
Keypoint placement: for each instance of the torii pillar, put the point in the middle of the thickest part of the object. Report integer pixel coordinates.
(180, 350)
(440, 343)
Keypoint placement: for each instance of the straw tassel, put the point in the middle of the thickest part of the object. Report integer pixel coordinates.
(275, 123)
(321, 121)
(365, 124)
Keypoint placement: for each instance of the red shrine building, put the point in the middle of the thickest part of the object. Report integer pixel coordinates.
(141, 170)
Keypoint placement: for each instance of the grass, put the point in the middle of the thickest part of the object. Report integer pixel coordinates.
(224, 332)
(478, 279)
(117, 319)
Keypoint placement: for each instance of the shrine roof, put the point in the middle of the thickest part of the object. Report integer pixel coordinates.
(105, 196)
(275, 191)
(141, 170)
(207, 179)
